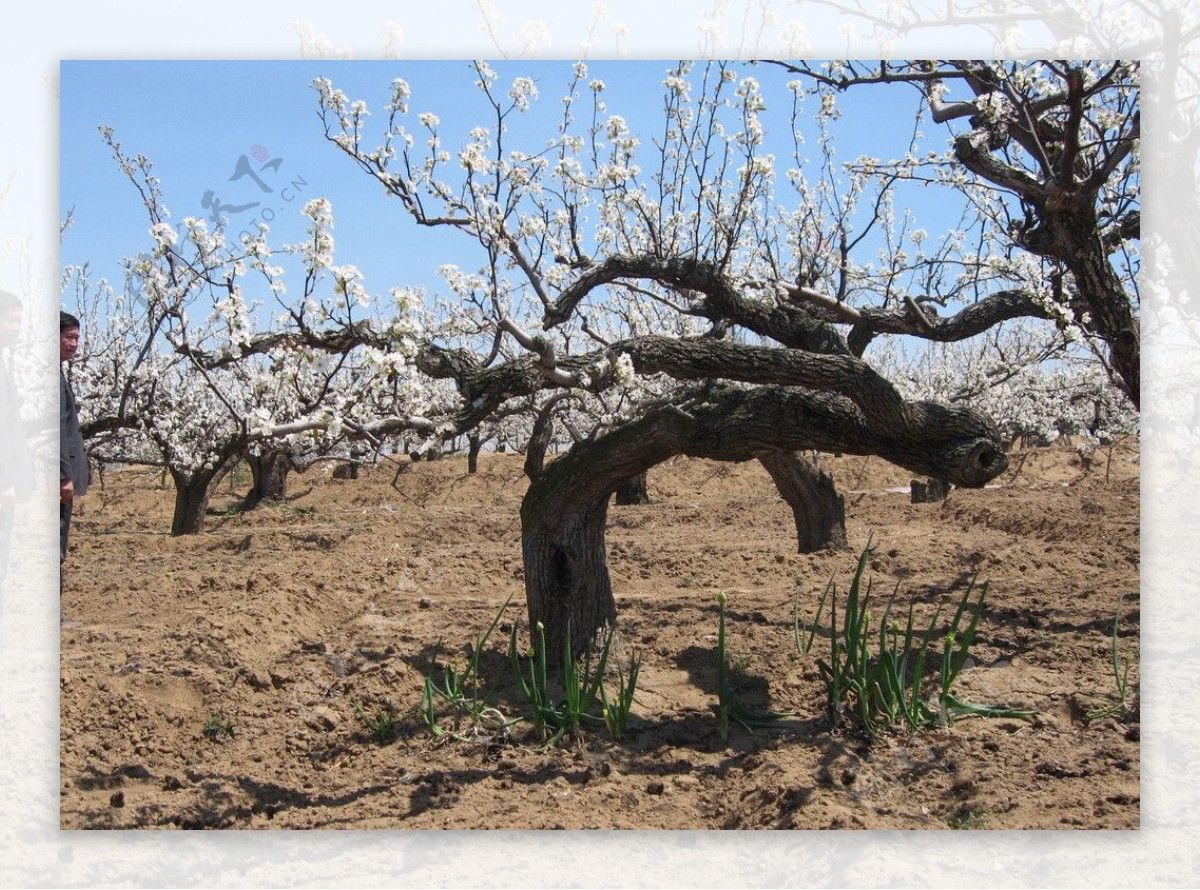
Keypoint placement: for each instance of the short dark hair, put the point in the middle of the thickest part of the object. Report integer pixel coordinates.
(66, 321)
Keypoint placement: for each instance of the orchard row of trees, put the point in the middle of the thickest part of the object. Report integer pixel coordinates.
(636, 296)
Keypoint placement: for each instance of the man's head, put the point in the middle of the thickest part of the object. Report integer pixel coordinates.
(10, 318)
(68, 336)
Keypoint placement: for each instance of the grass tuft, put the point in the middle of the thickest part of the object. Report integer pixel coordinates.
(876, 678)
(1120, 672)
(567, 707)
(217, 728)
(460, 686)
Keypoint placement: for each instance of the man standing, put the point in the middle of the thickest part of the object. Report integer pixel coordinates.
(74, 473)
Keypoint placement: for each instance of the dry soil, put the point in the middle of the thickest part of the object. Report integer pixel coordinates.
(284, 623)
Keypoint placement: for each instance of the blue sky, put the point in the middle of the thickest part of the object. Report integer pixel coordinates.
(196, 120)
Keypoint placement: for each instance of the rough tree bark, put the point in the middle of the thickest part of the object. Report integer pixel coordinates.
(563, 514)
(192, 493)
(817, 508)
(269, 474)
(633, 491)
(541, 435)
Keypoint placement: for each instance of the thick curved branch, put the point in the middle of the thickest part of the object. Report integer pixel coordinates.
(542, 435)
(720, 302)
(740, 424)
(968, 322)
(335, 341)
(110, 424)
(874, 399)
(973, 152)
(882, 408)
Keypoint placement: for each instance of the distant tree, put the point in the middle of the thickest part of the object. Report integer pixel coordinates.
(182, 369)
(1046, 154)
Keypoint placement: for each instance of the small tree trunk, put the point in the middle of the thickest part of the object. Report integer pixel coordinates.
(633, 491)
(192, 493)
(347, 470)
(819, 511)
(929, 492)
(474, 446)
(269, 472)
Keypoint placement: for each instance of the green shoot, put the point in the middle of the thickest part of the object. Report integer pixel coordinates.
(582, 689)
(1120, 671)
(884, 688)
(217, 728)
(729, 705)
(616, 711)
(383, 723)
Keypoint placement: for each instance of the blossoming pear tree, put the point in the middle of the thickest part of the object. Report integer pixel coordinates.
(667, 283)
(181, 369)
(1047, 153)
(678, 290)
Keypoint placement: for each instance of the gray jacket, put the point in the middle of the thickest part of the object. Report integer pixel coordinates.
(72, 458)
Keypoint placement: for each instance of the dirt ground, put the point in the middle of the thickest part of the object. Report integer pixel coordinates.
(282, 624)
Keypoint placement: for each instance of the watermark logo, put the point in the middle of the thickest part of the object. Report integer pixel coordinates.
(265, 173)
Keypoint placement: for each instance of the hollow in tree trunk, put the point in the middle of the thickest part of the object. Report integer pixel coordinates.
(819, 511)
(566, 576)
(633, 491)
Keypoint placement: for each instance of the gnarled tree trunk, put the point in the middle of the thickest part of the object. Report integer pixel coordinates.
(269, 473)
(192, 492)
(563, 513)
(567, 584)
(818, 509)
